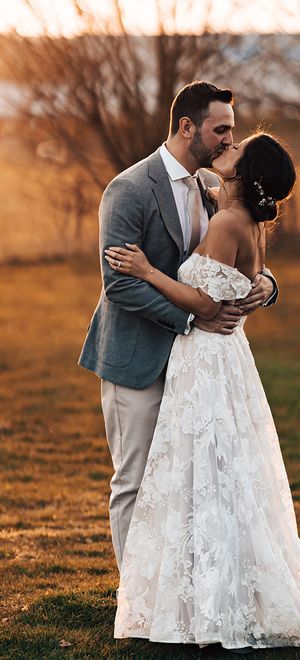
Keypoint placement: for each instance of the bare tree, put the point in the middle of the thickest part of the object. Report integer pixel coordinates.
(74, 197)
(107, 92)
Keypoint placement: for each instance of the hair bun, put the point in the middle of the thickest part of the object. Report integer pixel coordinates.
(267, 175)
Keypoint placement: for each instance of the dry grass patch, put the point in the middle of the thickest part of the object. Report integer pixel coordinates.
(58, 572)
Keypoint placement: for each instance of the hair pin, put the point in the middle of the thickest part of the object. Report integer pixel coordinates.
(266, 200)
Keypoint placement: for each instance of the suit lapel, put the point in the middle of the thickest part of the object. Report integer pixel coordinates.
(165, 199)
(209, 205)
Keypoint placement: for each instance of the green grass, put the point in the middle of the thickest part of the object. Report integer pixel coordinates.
(85, 621)
(57, 569)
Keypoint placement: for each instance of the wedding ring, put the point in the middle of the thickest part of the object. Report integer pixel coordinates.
(119, 264)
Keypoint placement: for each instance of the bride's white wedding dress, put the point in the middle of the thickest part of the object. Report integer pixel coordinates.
(212, 553)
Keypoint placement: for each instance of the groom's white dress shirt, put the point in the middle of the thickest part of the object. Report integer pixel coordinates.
(177, 173)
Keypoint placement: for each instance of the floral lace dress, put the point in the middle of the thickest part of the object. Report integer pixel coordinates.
(212, 553)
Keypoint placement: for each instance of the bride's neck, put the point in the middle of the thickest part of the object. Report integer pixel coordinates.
(229, 195)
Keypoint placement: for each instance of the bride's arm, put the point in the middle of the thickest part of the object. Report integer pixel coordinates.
(135, 263)
(220, 244)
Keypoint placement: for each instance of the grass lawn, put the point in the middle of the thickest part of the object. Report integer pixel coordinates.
(58, 573)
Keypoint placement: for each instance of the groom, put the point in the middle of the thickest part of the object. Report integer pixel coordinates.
(133, 327)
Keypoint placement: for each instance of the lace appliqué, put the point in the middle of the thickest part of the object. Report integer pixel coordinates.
(219, 281)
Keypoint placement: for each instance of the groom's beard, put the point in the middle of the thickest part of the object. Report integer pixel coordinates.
(202, 154)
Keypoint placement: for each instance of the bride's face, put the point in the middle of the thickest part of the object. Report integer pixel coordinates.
(225, 164)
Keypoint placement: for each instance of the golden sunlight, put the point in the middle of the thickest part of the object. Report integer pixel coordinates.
(183, 16)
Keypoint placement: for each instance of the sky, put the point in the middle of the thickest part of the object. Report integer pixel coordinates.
(225, 15)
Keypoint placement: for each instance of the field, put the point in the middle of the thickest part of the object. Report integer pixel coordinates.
(58, 573)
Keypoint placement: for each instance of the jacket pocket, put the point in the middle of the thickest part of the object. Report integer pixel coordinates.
(119, 335)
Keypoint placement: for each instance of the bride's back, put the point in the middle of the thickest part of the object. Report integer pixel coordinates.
(251, 246)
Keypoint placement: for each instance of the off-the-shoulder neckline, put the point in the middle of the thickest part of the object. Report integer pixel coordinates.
(206, 256)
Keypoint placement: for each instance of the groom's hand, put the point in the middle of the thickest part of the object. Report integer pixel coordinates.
(223, 323)
(262, 289)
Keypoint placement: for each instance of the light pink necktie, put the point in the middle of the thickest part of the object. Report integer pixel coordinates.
(194, 210)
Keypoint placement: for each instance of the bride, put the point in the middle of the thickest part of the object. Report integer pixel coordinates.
(212, 553)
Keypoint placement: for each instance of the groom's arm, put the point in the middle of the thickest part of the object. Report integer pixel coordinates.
(121, 221)
(263, 293)
(275, 291)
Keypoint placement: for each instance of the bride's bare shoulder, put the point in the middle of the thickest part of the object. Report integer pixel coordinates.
(225, 219)
(236, 219)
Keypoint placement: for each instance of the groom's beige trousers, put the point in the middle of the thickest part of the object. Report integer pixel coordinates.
(130, 417)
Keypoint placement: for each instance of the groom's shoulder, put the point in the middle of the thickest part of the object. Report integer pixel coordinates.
(139, 172)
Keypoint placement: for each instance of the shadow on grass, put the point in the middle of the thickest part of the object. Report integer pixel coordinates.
(86, 622)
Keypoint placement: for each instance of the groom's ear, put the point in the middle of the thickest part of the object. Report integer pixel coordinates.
(186, 128)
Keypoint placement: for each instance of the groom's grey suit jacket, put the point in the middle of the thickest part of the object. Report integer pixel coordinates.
(133, 327)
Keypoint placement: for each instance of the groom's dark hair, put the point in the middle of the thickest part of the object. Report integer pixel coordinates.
(193, 101)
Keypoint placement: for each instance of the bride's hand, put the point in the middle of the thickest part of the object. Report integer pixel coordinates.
(128, 261)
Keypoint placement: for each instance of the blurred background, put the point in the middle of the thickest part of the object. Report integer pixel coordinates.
(85, 91)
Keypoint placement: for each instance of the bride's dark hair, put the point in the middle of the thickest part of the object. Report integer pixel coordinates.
(267, 175)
